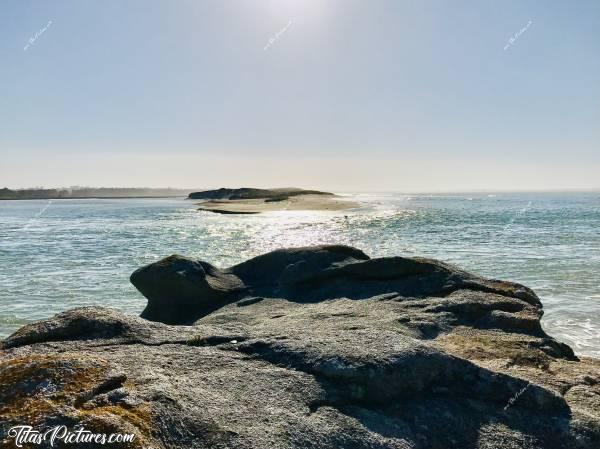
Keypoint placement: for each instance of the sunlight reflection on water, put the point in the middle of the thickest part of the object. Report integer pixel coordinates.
(81, 252)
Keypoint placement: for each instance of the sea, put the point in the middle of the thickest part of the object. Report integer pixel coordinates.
(59, 254)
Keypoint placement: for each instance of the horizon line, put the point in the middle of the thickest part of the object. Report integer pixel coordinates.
(485, 190)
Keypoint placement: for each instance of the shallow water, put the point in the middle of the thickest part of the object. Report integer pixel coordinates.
(65, 253)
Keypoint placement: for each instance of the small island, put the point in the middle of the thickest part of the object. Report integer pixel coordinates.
(248, 200)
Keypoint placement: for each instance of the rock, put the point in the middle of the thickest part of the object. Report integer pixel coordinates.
(316, 347)
(95, 324)
(268, 271)
(180, 290)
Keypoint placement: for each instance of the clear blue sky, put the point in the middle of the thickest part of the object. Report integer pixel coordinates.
(352, 95)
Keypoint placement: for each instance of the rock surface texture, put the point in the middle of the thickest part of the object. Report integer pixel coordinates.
(318, 347)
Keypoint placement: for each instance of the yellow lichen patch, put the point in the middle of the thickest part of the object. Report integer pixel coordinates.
(492, 345)
(506, 287)
(36, 388)
(34, 384)
(139, 417)
(116, 419)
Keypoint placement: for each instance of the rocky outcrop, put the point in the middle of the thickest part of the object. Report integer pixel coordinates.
(249, 193)
(317, 347)
(180, 290)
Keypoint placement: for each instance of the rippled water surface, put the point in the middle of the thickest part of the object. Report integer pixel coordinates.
(65, 253)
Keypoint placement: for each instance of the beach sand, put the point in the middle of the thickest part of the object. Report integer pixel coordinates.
(256, 206)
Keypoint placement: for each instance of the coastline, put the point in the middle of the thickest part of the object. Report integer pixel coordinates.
(94, 198)
(295, 203)
(91, 192)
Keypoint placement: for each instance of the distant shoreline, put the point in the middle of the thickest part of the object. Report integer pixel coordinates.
(94, 198)
(62, 194)
(91, 192)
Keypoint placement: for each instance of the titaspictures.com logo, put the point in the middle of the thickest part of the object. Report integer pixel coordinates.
(27, 435)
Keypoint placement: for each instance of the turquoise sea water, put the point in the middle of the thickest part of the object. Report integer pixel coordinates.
(66, 253)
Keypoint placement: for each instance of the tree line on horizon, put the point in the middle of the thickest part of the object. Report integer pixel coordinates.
(87, 192)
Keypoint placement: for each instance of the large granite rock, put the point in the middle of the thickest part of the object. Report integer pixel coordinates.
(317, 347)
(180, 290)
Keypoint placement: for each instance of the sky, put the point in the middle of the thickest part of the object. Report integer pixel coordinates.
(342, 95)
